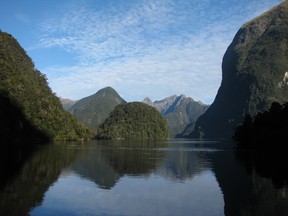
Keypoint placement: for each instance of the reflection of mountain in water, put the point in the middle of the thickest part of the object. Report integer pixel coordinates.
(106, 163)
(252, 183)
(182, 163)
(27, 188)
(92, 165)
(248, 192)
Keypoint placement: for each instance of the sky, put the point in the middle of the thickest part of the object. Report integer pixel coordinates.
(141, 48)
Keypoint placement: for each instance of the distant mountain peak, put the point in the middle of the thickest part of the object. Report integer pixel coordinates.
(181, 112)
(94, 109)
(148, 101)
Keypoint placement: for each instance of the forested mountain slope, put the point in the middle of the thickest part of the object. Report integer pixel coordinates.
(134, 120)
(26, 88)
(94, 109)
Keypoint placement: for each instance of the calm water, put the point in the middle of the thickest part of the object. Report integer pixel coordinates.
(179, 177)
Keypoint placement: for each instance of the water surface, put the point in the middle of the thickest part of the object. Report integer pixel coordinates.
(178, 177)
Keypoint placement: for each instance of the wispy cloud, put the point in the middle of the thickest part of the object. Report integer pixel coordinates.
(145, 48)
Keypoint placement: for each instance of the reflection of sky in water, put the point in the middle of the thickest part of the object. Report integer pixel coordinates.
(145, 195)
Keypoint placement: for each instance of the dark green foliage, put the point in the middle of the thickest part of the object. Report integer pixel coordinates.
(27, 88)
(264, 128)
(253, 68)
(134, 120)
(14, 126)
(93, 110)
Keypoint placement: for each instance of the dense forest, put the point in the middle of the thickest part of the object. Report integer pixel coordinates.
(134, 120)
(26, 88)
(264, 129)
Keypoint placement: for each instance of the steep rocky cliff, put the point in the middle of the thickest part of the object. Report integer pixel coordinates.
(254, 74)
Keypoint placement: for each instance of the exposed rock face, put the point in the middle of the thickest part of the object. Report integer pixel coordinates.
(94, 109)
(253, 74)
(181, 113)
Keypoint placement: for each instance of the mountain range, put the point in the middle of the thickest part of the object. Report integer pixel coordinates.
(254, 74)
(181, 113)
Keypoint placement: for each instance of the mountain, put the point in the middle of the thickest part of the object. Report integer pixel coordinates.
(14, 126)
(67, 103)
(26, 89)
(254, 74)
(265, 128)
(134, 120)
(94, 109)
(181, 113)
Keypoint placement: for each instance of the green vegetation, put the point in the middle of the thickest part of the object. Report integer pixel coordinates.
(93, 110)
(134, 120)
(264, 129)
(27, 89)
(14, 126)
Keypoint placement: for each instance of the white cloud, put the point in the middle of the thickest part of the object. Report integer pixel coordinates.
(147, 48)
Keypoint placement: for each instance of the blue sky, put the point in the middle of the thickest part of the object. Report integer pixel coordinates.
(154, 48)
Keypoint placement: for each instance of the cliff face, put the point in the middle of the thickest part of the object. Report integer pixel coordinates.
(254, 74)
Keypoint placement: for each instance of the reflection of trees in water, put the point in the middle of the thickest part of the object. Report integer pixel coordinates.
(92, 164)
(269, 200)
(268, 171)
(110, 160)
(250, 183)
(27, 188)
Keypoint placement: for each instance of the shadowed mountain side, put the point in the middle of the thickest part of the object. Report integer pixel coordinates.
(18, 137)
(27, 87)
(14, 126)
(254, 74)
(263, 129)
(93, 110)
